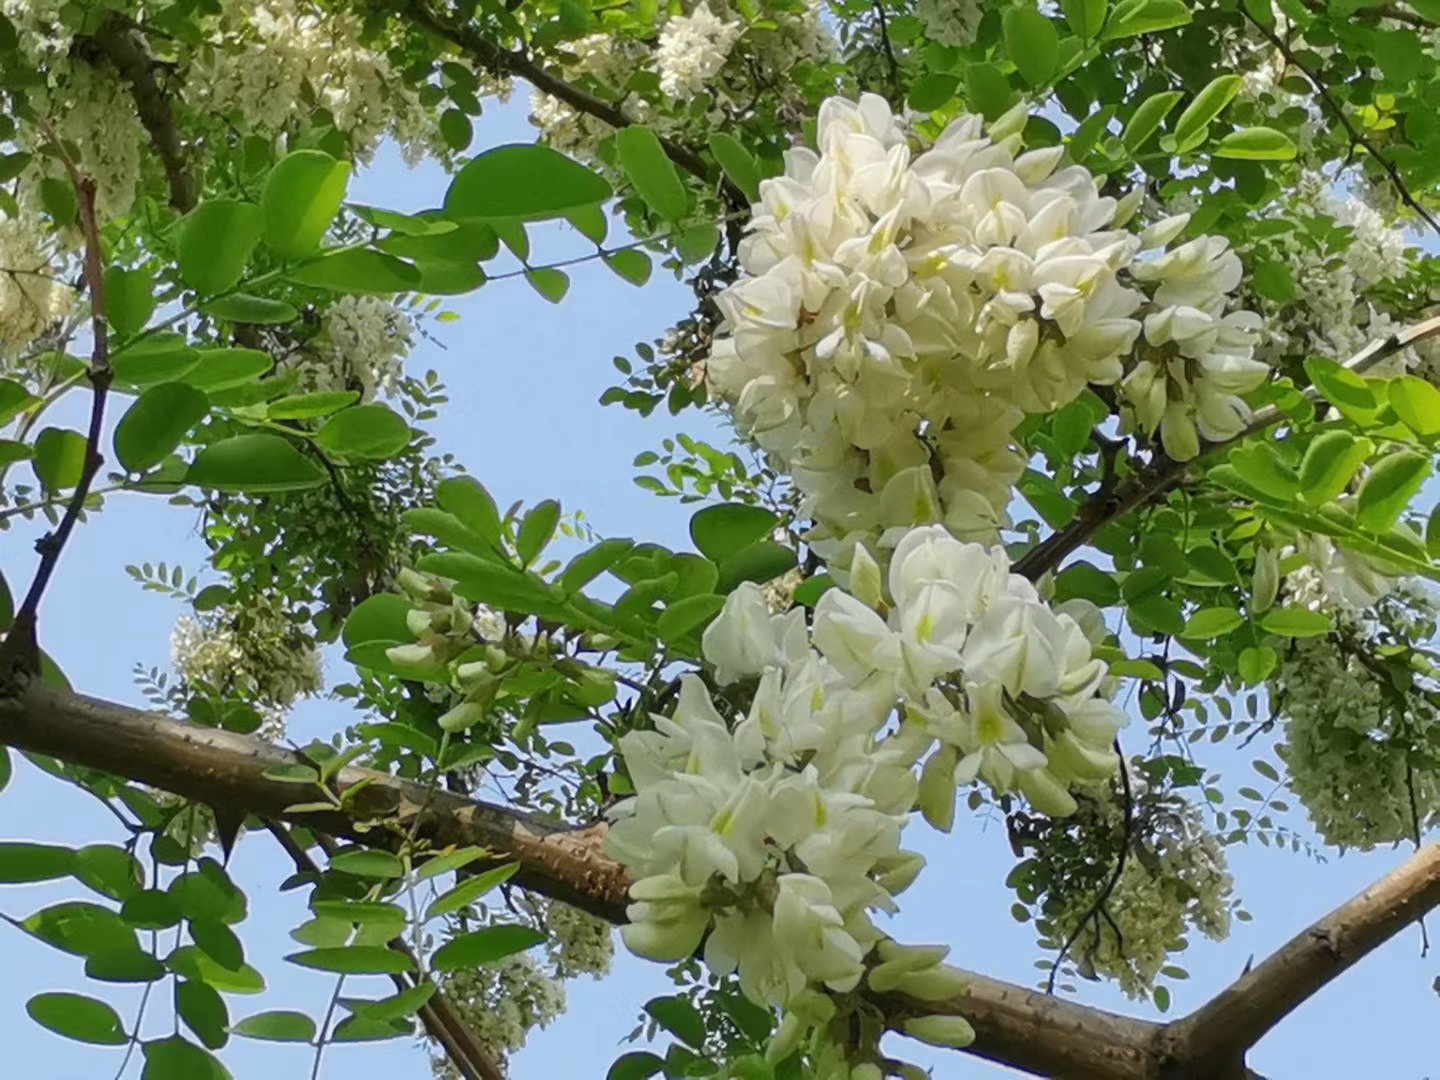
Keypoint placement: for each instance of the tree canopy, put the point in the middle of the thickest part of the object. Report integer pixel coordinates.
(1082, 365)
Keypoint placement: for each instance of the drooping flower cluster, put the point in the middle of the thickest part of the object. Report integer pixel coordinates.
(778, 832)
(33, 299)
(1334, 580)
(501, 1003)
(258, 655)
(901, 312)
(1175, 879)
(362, 345)
(274, 63)
(1360, 752)
(692, 49)
(950, 22)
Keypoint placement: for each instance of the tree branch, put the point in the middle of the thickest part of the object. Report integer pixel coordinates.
(1243, 1013)
(503, 62)
(118, 41)
(1164, 473)
(1016, 1026)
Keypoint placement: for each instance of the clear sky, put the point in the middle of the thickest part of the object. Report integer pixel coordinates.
(524, 379)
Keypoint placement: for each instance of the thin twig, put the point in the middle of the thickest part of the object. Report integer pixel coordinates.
(20, 654)
(890, 60)
(1357, 137)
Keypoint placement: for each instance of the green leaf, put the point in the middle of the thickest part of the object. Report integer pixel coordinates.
(312, 405)
(1329, 463)
(682, 618)
(1162, 998)
(522, 181)
(1156, 614)
(1256, 664)
(364, 1029)
(109, 870)
(203, 1010)
(536, 530)
(1393, 481)
(631, 264)
(192, 963)
(721, 531)
(58, 198)
(1348, 392)
(77, 1017)
(356, 960)
(456, 129)
(224, 369)
(1148, 117)
(82, 929)
(7, 768)
(444, 864)
(1208, 104)
(302, 195)
(156, 424)
(636, 1065)
(277, 1026)
(1417, 403)
(406, 1003)
(258, 463)
(1261, 467)
(448, 529)
(484, 946)
(1145, 17)
(1294, 622)
(679, 1017)
(1032, 43)
(129, 300)
(358, 270)
(1088, 582)
(154, 359)
(932, 91)
(216, 239)
(738, 163)
(1212, 622)
(811, 589)
(15, 399)
(467, 892)
(1256, 144)
(369, 864)
(590, 564)
(651, 172)
(1085, 17)
(549, 282)
(759, 562)
(151, 909)
(243, 308)
(59, 458)
(22, 863)
(176, 1058)
(467, 499)
(218, 941)
(987, 90)
(207, 892)
(124, 967)
(372, 431)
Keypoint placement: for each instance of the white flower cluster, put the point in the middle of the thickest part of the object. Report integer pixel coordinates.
(950, 22)
(901, 312)
(600, 58)
(692, 49)
(501, 1004)
(780, 832)
(577, 942)
(362, 345)
(32, 298)
(256, 656)
(1182, 881)
(265, 61)
(90, 108)
(1334, 580)
(1350, 748)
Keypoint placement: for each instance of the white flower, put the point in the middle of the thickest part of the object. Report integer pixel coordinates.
(691, 51)
(746, 638)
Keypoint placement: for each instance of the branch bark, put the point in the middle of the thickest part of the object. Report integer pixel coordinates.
(1015, 1025)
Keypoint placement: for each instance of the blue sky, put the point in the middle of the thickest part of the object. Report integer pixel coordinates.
(524, 378)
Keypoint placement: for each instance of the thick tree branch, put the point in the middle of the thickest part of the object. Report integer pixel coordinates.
(118, 40)
(1151, 483)
(1243, 1013)
(1016, 1026)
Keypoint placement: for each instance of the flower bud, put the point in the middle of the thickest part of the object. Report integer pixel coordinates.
(937, 788)
(1126, 207)
(938, 983)
(865, 583)
(900, 872)
(1266, 582)
(867, 1071)
(1010, 122)
(462, 716)
(786, 1038)
(1046, 793)
(419, 621)
(416, 655)
(953, 1032)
